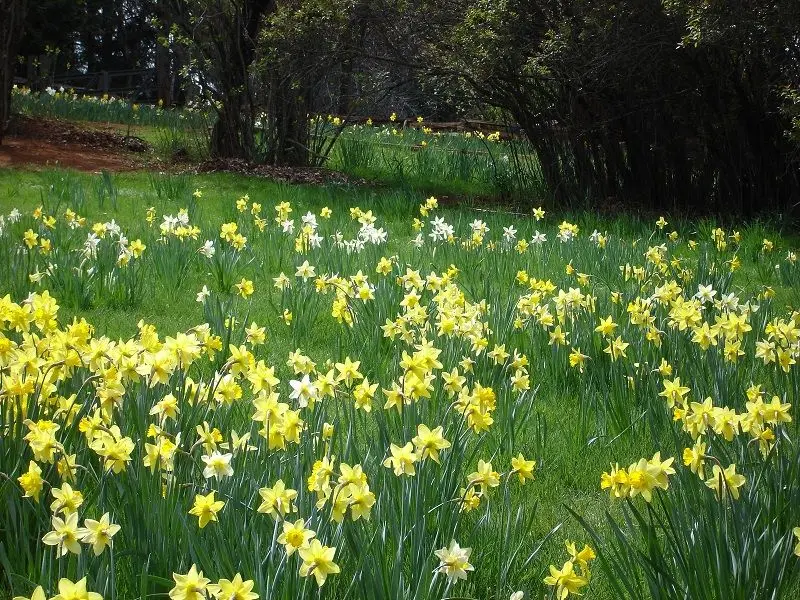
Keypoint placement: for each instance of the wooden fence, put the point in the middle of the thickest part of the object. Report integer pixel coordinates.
(132, 84)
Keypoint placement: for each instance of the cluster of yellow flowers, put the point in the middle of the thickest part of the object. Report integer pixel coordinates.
(640, 478)
(229, 233)
(67, 590)
(569, 580)
(115, 367)
(193, 586)
(445, 348)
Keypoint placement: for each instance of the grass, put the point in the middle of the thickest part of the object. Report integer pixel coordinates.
(27, 190)
(465, 164)
(106, 109)
(577, 425)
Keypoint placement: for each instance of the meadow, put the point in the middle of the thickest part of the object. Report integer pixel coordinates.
(220, 386)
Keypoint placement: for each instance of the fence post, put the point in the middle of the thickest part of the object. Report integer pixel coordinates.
(104, 82)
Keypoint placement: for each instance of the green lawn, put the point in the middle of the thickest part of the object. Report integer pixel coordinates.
(573, 424)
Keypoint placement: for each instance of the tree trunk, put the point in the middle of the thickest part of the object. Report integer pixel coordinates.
(287, 110)
(346, 87)
(226, 140)
(163, 75)
(12, 21)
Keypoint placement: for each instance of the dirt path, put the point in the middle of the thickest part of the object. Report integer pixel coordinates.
(50, 143)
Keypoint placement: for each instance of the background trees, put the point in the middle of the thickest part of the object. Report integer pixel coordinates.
(675, 105)
(266, 66)
(680, 104)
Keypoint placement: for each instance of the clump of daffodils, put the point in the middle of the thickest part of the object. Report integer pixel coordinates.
(574, 575)
(640, 478)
